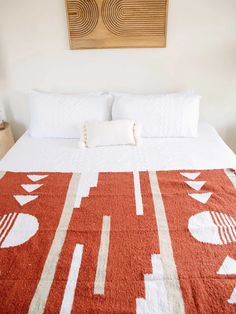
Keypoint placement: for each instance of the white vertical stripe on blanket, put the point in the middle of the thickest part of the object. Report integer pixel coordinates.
(100, 279)
(68, 298)
(41, 294)
(171, 279)
(138, 195)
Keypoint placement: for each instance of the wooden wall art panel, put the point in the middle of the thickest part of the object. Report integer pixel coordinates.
(117, 23)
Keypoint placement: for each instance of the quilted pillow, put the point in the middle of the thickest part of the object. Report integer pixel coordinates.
(61, 115)
(167, 115)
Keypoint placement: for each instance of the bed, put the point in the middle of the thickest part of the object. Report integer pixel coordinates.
(120, 229)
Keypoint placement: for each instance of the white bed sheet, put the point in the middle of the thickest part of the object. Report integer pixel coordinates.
(208, 151)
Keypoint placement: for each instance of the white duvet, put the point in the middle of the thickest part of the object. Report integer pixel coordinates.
(208, 151)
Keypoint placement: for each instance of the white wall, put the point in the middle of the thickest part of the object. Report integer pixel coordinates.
(200, 55)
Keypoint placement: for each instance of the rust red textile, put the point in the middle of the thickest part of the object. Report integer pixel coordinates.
(200, 213)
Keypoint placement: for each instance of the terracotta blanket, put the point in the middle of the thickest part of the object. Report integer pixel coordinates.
(132, 242)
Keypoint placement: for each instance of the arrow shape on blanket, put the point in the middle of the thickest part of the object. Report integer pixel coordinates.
(228, 267)
(190, 175)
(30, 187)
(24, 199)
(36, 177)
(232, 299)
(196, 185)
(201, 197)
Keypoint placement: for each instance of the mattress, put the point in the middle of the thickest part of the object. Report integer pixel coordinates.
(208, 151)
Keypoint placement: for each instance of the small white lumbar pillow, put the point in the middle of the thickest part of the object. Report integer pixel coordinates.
(117, 132)
(61, 115)
(167, 115)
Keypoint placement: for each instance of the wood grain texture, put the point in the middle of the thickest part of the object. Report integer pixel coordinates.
(83, 17)
(6, 140)
(117, 23)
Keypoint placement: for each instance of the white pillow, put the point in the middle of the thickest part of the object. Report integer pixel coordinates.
(117, 132)
(61, 116)
(167, 115)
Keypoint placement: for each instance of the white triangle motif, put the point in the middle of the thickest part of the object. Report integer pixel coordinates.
(201, 197)
(190, 175)
(196, 185)
(36, 177)
(232, 299)
(30, 187)
(228, 267)
(24, 199)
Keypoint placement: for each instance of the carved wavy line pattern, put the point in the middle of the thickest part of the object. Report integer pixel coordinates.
(135, 17)
(83, 17)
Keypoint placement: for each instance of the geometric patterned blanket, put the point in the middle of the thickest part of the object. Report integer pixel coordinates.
(127, 242)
